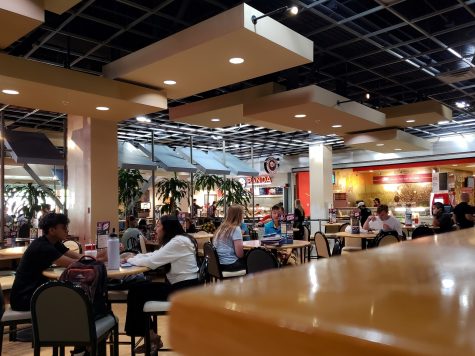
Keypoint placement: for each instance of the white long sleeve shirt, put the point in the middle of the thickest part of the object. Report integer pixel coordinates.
(179, 252)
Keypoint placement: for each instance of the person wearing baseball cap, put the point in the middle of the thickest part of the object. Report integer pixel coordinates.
(364, 212)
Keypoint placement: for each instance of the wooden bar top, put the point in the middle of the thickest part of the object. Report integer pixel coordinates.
(411, 298)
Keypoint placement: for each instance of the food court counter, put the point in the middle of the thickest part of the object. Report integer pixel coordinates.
(414, 297)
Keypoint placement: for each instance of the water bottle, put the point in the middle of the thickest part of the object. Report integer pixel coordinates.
(408, 217)
(113, 251)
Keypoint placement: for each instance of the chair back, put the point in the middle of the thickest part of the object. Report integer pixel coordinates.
(260, 259)
(143, 246)
(343, 227)
(214, 270)
(73, 245)
(306, 233)
(387, 240)
(2, 303)
(61, 313)
(322, 246)
(422, 231)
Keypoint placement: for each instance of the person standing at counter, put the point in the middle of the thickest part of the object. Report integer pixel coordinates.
(365, 213)
(212, 210)
(383, 221)
(376, 202)
(441, 219)
(463, 212)
(299, 217)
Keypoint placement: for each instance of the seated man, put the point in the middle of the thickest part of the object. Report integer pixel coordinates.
(383, 221)
(273, 226)
(441, 219)
(42, 253)
(132, 231)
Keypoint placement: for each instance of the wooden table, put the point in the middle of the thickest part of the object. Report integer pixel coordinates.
(362, 236)
(411, 298)
(12, 253)
(54, 273)
(297, 244)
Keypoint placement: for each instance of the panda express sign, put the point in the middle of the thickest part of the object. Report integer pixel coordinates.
(259, 180)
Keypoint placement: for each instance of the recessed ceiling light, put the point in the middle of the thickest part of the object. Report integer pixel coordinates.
(443, 122)
(461, 104)
(398, 149)
(299, 116)
(143, 119)
(215, 119)
(169, 82)
(294, 10)
(410, 120)
(337, 126)
(236, 60)
(371, 171)
(309, 131)
(102, 108)
(380, 144)
(10, 91)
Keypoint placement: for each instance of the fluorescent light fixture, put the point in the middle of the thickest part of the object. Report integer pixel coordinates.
(143, 119)
(443, 122)
(454, 165)
(236, 60)
(10, 92)
(398, 149)
(169, 82)
(454, 52)
(309, 131)
(337, 126)
(380, 144)
(299, 116)
(412, 63)
(102, 108)
(395, 54)
(215, 119)
(411, 120)
(428, 72)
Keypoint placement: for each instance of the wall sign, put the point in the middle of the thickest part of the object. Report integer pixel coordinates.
(271, 164)
(403, 178)
(259, 180)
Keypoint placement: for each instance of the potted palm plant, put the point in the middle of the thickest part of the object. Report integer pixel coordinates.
(234, 193)
(171, 191)
(30, 196)
(207, 182)
(130, 187)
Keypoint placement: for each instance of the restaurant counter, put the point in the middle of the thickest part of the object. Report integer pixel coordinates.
(414, 297)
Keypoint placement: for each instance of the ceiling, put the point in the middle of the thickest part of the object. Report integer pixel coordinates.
(398, 51)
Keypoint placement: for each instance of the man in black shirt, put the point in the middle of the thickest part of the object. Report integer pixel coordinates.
(194, 208)
(41, 254)
(441, 219)
(463, 212)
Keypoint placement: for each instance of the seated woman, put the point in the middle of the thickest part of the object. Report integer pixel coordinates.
(179, 250)
(441, 219)
(228, 241)
(189, 226)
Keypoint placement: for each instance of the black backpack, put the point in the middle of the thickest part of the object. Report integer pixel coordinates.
(337, 247)
(91, 276)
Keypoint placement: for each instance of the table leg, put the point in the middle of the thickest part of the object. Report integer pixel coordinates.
(363, 244)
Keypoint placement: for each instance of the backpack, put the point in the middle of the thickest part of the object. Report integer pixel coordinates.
(337, 247)
(90, 275)
(203, 275)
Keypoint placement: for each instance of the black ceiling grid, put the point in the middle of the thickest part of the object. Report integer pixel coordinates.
(397, 50)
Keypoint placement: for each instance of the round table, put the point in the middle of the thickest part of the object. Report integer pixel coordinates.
(12, 253)
(362, 236)
(55, 273)
(297, 244)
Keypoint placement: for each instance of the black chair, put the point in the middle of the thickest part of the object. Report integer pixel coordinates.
(214, 269)
(422, 231)
(343, 227)
(62, 316)
(321, 245)
(260, 259)
(11, 318)
(385, 238)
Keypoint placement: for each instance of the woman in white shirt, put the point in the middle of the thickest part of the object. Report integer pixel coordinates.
(179, 251)
(228, 241)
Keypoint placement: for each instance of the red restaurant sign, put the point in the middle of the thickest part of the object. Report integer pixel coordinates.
(403, 178)
(259, 180)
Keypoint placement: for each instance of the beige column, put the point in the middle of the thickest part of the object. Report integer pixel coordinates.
(92, 175)
(321, 187)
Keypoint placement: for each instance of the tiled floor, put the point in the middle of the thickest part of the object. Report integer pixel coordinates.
(25, 349)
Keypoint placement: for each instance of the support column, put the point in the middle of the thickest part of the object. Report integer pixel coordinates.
(92, 175)
(321, 187)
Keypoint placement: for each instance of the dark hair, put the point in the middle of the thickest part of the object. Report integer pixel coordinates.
(46, 206)
(171, 227)
(382, 207)
(439, 205)
(131, 218)
(52, 220)
(377, 199)
(276, 207)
